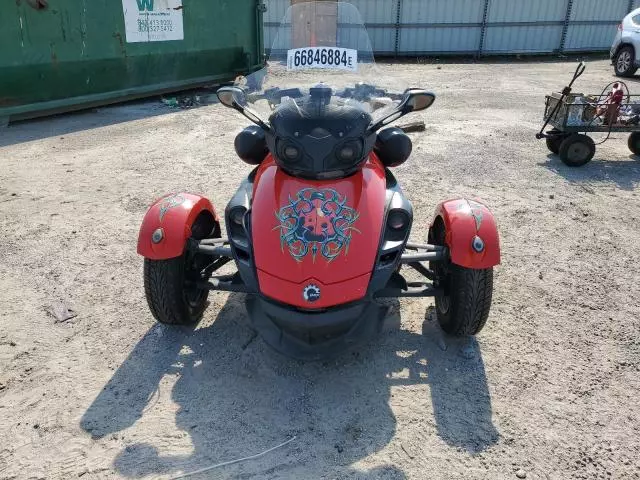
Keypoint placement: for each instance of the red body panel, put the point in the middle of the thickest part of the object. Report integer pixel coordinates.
(331, 294)
(463, 220)
(307, 231)
(174, 214)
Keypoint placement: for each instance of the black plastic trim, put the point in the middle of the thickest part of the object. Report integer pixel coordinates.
(318, 156)
(390, 243)
(240, 242)
(315, 335)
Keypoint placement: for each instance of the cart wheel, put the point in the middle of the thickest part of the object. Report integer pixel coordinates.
(553, 143)
(464, 308)
(577, 150)
(634, 143)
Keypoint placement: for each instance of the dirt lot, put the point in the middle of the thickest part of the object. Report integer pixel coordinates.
(550, 387)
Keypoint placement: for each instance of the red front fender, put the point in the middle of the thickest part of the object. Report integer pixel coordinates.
(463, 221)
(171, 219)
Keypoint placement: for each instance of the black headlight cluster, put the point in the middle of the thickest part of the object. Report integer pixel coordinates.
(345, 155)
(314, 137)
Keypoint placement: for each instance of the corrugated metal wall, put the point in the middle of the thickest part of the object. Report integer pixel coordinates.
(276, 10)
(523, 26)
(584, 34)
(480, 27)
(444, 26)
(380, 17)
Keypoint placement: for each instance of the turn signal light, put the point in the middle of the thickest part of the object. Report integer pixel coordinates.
(398, 220)
(236, 215)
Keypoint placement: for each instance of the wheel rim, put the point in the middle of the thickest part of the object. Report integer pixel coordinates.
(441, 271)
(192, 295)
(624, 61)
(577, 152)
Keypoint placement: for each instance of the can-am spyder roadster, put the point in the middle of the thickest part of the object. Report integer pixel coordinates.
(319, 230)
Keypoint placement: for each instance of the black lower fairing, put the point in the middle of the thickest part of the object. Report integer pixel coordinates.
(307, 335)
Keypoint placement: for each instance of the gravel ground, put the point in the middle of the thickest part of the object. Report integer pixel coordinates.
(548, 389)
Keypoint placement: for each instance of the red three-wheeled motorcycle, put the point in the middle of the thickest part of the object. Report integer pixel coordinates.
(319, 229)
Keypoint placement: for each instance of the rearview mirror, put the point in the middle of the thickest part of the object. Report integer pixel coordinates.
(414, 100)
(234, 97)
(419, 100)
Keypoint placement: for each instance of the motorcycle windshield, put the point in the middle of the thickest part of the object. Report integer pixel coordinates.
(321, 90)
(322, 45)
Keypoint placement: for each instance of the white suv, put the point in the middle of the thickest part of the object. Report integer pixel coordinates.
(625, 52)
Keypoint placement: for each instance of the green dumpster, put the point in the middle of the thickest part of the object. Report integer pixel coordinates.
(61, 55)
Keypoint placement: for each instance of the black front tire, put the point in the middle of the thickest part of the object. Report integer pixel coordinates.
(170, 300)
(624, 62)
(577, 150)
(634, 143)
(464, 310)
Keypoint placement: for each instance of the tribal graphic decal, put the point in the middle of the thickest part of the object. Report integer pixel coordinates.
(474, 209)
(316, 222)
(170, 202)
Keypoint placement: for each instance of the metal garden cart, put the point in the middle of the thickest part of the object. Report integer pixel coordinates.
(572, 116)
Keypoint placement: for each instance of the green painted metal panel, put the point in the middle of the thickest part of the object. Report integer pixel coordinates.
(58, 55)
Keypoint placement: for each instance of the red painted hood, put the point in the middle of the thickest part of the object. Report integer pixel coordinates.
(320, 233)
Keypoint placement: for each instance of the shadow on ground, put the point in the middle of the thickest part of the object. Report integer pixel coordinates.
(624, 173)
(237, 398)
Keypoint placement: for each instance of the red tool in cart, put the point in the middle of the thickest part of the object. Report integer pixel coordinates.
(319, 229)
(573, 116)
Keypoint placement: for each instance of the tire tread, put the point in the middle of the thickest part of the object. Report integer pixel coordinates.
(470, 296)
(163, 291)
